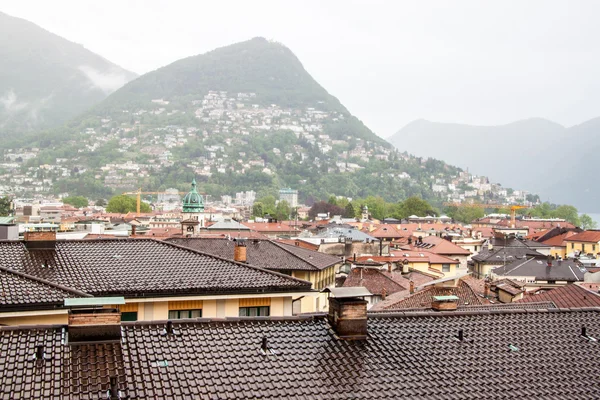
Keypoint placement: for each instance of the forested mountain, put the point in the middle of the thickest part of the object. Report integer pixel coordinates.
(535, 154)
(46, 80)
(243, 117)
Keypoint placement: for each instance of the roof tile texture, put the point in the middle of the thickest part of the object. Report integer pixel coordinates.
(111, 267)
(266, 254)
(404, 356)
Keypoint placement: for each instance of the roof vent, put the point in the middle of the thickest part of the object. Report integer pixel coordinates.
(169, 330)
(264, 347)
(40, 354)
(113, 392)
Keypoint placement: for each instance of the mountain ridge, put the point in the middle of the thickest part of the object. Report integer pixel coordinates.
(46, 79)
(536, 153)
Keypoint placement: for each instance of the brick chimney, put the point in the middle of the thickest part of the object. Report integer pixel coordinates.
(412, 287)
(348, 317)
(40, 240)
(239, 251)
(92, 325)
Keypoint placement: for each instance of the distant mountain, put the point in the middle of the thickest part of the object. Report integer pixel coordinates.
(266, 68)
(243, 117)
(46, 80)
(536, 155)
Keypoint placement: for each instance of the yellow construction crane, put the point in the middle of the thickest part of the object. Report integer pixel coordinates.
(513, 208)
(139, 194)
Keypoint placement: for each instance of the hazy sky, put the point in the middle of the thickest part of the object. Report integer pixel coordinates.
(478, 62)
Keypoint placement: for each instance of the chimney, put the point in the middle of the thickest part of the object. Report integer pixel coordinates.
(93, 325)
(40, 240)
(390, 268)
(348, 317)
(549, 261)
(410, 240)
(486, 290)
(445, 303)
(133, 229)
(239, 251)
(412, 287)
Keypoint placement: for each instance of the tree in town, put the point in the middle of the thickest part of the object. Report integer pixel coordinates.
(282, 211)
(416, 206)
(123, 204)
(76, 201)
(587, 222)
(349, 211)
(5, 208)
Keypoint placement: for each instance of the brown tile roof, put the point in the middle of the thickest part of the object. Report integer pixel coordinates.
(140, 267)
(378, 282)
(568, 296)
(17, 289)
(560, 270)
(411, 256)
(586, 236)
(505, 354)
(267, 254)
(424, 298)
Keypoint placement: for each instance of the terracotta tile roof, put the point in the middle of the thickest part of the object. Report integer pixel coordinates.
(267, 254)
(378, 282)
(424, 298)
(140, 267)
(271, 227)
(442, 246)
(586, 236)
(387, 231)
(505, 354)
(559, 240)
(568, 296)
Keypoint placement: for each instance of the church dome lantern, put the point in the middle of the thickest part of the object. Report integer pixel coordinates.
(193, 202)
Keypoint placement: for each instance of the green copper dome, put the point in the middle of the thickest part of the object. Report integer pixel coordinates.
(193, 201)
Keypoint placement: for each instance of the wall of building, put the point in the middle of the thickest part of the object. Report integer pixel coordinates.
(582, 247)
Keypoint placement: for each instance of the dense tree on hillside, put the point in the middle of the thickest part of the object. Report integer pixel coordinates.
(124, 204)
(100, 202)
(76, 201)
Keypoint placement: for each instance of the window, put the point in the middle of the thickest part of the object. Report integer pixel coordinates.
(572, 245)
(583, 247)
(255, 311)
(179, 314)
(593, 247)
(445, 267)
(475, 248)
(551, 282)
(129, 316)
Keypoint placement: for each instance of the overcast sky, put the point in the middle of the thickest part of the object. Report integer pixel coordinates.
(478, 62)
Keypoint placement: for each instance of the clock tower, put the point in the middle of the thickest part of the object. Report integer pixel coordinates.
(193, 212)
